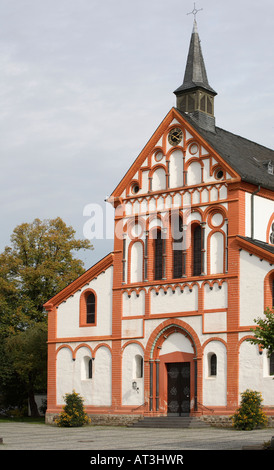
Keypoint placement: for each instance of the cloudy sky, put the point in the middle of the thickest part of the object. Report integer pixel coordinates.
(85, 83)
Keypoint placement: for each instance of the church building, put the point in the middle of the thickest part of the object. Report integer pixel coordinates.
(159, 326)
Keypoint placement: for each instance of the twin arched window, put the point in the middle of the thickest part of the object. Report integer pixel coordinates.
(179, 262)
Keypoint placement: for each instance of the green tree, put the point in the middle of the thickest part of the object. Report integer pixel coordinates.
(250, 414)
(264, 332)
(27, 351)
(39, 263)
(73, 413)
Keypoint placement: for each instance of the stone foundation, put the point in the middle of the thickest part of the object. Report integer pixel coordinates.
(125, 420)
(103, 419)
(226, 421)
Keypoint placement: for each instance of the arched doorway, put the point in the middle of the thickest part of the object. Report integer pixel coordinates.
(173, 375)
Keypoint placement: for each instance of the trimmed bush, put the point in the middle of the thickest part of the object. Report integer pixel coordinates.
(250, 415)
(73, 414)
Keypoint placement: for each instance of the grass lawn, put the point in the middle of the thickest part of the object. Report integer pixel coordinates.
(22, 419)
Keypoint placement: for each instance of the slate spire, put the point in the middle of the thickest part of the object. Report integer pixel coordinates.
(195, 96)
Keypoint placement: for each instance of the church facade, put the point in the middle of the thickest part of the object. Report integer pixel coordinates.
(160, 325)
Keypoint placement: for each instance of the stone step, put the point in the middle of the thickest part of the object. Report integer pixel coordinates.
(170, 422)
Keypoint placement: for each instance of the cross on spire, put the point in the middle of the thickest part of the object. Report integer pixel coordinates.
(194, 11)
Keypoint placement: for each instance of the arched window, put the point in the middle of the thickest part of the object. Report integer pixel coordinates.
(90, 304)
(197, 250)
(87, 368)
(271, 364)
(212, 365)
(158, 256)
(177, 235)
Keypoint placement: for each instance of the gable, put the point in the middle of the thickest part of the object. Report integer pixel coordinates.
(164, 165)
(80, 282)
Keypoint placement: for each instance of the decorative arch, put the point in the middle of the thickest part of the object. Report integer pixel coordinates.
(157, 337)
(83, 345)
(269, 290)
(102, 345)
(210, 254)
(270, 230)
(133, 341)
(136, 266)
(159, 169)
(210, 212)
(214, 338)
(65, 346)
(129, 226)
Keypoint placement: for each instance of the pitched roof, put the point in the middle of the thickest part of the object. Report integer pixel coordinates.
(265, 246)
(261, 249)
(195, 72)
(249, 159)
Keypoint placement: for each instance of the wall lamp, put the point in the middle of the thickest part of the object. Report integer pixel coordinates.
(134, 386)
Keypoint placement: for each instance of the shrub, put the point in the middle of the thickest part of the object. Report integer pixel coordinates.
(250, 415)
(73, 413)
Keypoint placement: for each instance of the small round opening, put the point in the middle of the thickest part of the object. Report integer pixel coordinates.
(159, 156)
(219, 174)
(135, 188)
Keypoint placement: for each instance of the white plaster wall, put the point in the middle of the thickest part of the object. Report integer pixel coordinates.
(132, 328)
(263, 210)
(134, 305)
(102, 367)
(194, 174)
(216, 253)
(159, 180)
(214, 387)
(145, 187)
(136, 268)
(176, 169)
(130, 396)
(95, 391)
(252, 274)
(174, 302)
(215, 298)
(176, 342)
(215, 322)
(65, 371)
(68, 312)
(254, 373)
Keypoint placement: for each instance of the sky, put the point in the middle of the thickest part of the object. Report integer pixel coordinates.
(85, 83)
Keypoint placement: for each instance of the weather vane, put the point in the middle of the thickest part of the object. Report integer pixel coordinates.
(194, 11)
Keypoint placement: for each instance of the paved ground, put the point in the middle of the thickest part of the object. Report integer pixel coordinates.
(21, 436)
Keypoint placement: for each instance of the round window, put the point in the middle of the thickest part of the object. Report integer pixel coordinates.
(219, 174)
(193, 149)
(135, 188)
(159, 156)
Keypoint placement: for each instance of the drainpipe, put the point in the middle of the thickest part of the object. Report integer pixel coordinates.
(252, 210)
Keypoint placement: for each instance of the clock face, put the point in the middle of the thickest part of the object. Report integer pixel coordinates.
(175, 136)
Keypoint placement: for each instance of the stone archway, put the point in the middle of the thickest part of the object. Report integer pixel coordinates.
(173, 349)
